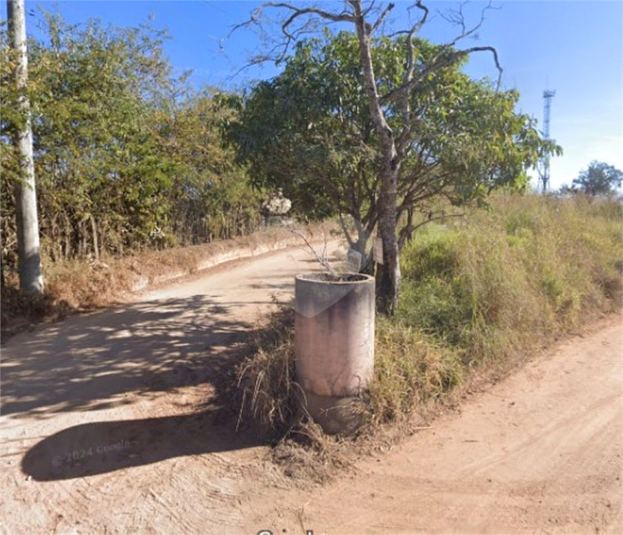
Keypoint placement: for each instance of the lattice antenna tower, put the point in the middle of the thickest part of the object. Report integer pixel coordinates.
(544, 167)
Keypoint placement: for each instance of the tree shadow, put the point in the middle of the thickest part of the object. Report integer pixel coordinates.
(121, 356)
(102, 447)
(92, 362)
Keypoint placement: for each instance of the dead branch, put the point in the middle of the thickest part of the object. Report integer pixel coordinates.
(382, 17)
(280, 50)
(446, 56)
(322, 261)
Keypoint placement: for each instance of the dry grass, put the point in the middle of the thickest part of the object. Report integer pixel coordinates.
(269, 397)
(269, 402)
(482, 293)
(478, 295)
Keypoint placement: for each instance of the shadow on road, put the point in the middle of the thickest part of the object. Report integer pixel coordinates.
(124, 356)
(102, 447)
(93, 362)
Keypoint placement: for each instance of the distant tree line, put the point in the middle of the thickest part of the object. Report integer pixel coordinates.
(599, 179)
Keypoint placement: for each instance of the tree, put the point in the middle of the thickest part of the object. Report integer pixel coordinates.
(211, 197)
(126, 155)
(309, 131)
(27, 222)
(94, 92)
(598, 179)
(390, 103)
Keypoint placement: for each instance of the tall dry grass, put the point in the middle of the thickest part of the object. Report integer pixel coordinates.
(486, 291)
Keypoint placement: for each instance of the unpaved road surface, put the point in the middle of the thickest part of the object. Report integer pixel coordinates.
(110, 424)
(540, 452)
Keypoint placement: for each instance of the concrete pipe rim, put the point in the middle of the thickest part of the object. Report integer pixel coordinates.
(329, 278)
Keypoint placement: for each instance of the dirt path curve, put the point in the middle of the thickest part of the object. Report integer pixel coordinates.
(127, 397)
(109, 425)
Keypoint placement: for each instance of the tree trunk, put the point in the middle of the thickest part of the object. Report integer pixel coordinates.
(96, 249)
(388, 274)
(1, 262)
(31, 278)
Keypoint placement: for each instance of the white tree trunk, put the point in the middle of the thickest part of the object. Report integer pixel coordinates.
(31, 278)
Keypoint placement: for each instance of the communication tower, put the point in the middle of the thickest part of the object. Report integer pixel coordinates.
(544, 165)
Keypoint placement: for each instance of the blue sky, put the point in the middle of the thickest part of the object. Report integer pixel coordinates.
(574, 47)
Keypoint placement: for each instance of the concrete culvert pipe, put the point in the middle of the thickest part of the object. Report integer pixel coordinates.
(334, 343)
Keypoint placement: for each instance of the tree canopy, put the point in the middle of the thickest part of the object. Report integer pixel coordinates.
(370, 127)
(126, 154)
(309, 131)
(599, 179)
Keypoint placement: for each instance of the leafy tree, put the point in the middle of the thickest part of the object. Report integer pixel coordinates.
(103, 172)
(310, 131)
(390, 102)
(211, 197)
(598, 179)
(93, 91)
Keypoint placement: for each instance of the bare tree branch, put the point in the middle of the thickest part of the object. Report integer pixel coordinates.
(279, 52)
(457, 17)
(418, 25)
(344, 16)
(446, 56)
(321, 259)
(441, 62)
(349, 239)
(381, 19)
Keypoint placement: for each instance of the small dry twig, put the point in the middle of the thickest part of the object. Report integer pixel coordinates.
(321, 259)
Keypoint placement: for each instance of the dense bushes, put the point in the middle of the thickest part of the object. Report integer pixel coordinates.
(489, 289)
(126, 155)
(531, 265)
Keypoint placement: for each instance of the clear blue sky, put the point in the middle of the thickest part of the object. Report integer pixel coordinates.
(574, 47)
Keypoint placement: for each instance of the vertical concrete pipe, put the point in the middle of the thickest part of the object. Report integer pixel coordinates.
(334, 344)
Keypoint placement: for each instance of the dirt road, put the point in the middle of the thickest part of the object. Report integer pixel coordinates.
(540, 452)
(110, 425)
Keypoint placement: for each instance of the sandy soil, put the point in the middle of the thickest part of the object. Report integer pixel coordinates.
(111, 424)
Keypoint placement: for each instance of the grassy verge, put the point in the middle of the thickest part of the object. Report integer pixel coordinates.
(75, 286)
(478, 295)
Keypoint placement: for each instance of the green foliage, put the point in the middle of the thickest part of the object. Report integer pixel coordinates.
(409, 370)
(598, 179)
(309, 131)
(435, 299)
(126, 157)
(481, 294)
(487, 293)
(214, 199)
(512, 277)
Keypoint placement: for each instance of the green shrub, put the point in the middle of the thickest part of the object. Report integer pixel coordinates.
(527, 269)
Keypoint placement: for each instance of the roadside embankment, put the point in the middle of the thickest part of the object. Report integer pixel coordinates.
(479, 295)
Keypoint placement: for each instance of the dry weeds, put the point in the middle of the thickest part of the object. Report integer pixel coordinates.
(478, 297)
(78, 286)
